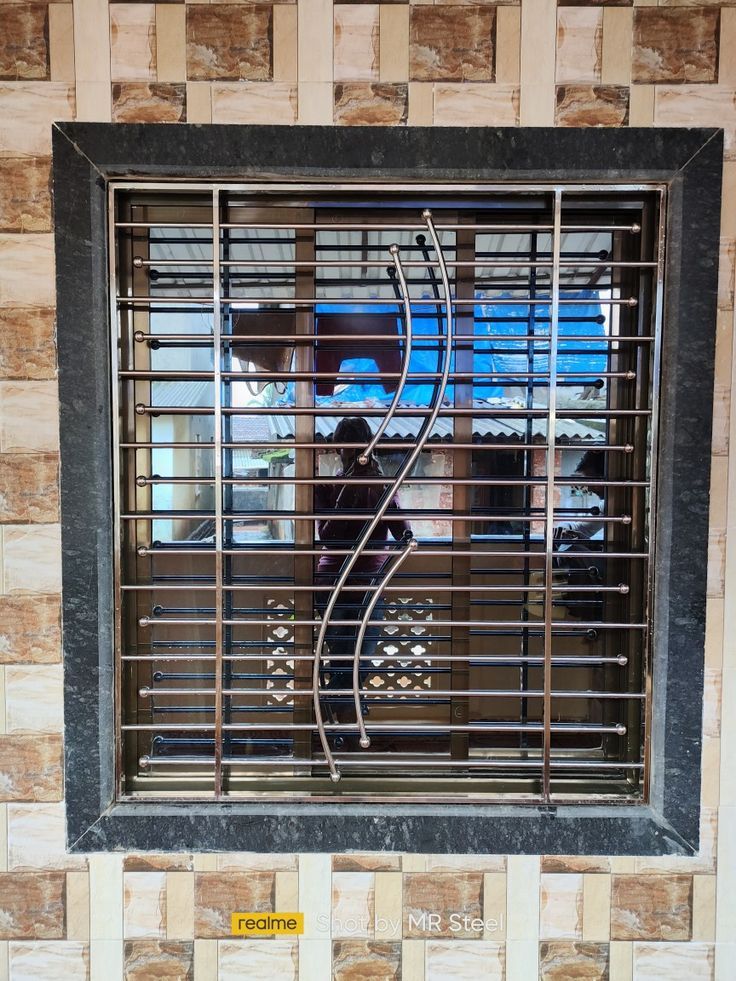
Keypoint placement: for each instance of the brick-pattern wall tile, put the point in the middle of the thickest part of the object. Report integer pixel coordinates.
(452, 44)
(657, 907)
(228, 41)
(144, 904)
(353, 904)
(30, 629)
(356, 43)
(157, 102)
(277, 958)
(218, 894)
(441, 894)
(132, 42)
(579, 44)
(67, 959)
(560, 960)
(675, 45)
(27, 110)
(355, 959)
(27, 349)
(146, 959)
(371, 104)
(32, 905)
(29, 487)
(24, 41)
(592, 105)
(30, 768)
(25, 194)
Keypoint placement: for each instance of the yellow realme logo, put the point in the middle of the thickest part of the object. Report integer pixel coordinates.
(260, 924)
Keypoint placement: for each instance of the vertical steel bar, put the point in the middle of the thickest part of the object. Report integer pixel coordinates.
(550, 502)
(217, 368)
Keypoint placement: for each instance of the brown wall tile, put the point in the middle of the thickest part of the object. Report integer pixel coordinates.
(560, 960)
(27, 343)
(29, 487)
(32, 905)
(654, 907)
(452, 44)
(145, 960)
(24, 41)
(592, 105)
(675, 45)
(229, 41)
(157, 102)
(218, 894)
(157, 863)
(369, 862)
(31, 630)
(30, 768)
(442, 894)
(575, 863)
(25, 194)
(371, 104)
(353, 960)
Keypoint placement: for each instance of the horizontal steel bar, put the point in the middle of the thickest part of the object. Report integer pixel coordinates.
(143, 481)
(387, 340)
(369, 375)
(559, 625)
(233, 301)
(396, 760)
(419, 730)
(478, 263)
(476, 412)
(367, 588)
(331, 446)
(504, 660)
(344, 516)
(401, 695)
(390, 226)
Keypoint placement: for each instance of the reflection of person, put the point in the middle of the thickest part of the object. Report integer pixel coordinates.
(342, 533)
(589, 468)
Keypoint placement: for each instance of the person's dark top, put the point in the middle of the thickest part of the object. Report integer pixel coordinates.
(344, 533)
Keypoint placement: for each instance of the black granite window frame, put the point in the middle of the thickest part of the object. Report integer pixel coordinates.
(85, 157)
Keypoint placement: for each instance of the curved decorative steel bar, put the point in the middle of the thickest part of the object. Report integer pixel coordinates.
(409, 547)
(387, 498)
(364, 456)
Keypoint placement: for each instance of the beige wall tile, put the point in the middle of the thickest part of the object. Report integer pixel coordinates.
(106, 909)
(91, 40)
(711, 764)
(388, 905)
(494, 906)
(709, 105)
(199, 102)
(579, 41)
(655, 961)
(66, 959)
(618, 25)
(61, 42)
(522, 897)
(29, 416)
(353, 904)
(620, 960)
(252, 102)
(316, 103)
(253, 862)
(421, 103)
(205, 960)
(597, 907)
(94, 102)
(508, 44)
(27, 110)
(31, 559)
(561, 906)
(538, 50)
(285, 45)
(27, 270)
(412, 960)
(465, 863)
(728, 201)
(77, 905)
(356, 42)
(286, 892)
(414, 863)
(314, 33)
(464, 961)
(704, 907)
(276, 959)
(171, 43)
(105, 960)
(726, 878)
(144, 904)
(394, 43)
(641, 105)
(132, 42)
(315, 875)
(456, 104)
(34, 698)
(522, 960)
(315, 959)
(722, 382)
(37, 839)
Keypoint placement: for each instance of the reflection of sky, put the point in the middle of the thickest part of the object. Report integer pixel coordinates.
(492, 320)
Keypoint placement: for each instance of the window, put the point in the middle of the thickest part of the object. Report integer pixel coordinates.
(415, 419)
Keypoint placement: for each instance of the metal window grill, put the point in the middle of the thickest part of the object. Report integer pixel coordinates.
(444, 607)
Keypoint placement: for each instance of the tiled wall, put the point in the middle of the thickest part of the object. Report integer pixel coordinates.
(421, 63)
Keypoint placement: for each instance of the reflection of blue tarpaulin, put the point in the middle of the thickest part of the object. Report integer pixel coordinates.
(492, 320)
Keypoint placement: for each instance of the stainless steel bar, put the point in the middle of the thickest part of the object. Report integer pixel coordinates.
(503, 659)
(550, 496)
(331, 446)
(397, 759)
(291, 301)
(416, 515)
(144, 481)
(237, 339)
(392, 226)
(409, 547)
(364, 456)
(419, 729)
(219, 570)
(379, 263)
(560, 626)
(480, 553)
(289, 588)
(401, 695)
(404, 470)
(476, 412)
(371, 375)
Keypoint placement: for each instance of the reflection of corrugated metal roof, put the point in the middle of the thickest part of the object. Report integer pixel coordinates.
(185, 393)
